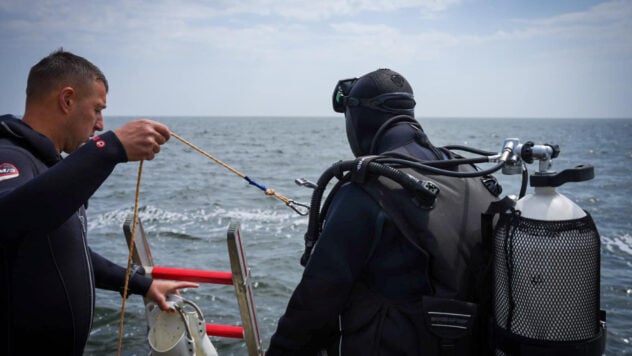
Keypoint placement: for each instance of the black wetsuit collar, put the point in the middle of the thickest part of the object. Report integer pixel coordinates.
(22, 134)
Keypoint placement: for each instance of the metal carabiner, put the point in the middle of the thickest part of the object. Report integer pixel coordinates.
(295, 206)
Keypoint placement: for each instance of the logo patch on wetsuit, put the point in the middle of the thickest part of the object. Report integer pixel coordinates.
(98, 141)
(8, 171)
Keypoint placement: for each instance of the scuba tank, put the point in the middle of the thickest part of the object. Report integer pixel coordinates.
(546, 267)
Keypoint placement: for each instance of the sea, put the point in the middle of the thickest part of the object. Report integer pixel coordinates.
(187, 202)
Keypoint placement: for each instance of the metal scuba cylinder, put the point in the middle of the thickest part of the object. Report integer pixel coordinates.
(546, 269)
(546, 204)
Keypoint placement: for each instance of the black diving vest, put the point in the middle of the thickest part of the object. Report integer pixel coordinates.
(452, 320)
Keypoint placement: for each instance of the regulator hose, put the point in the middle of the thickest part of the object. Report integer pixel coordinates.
(357, 170)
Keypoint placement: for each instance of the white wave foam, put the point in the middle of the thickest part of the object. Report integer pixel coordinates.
(618, 243)
(217, 217)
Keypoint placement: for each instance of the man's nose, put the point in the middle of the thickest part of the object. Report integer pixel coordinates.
(98, 125)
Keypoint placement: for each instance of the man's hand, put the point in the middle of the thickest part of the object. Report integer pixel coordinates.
(160, 288)
(142, 138)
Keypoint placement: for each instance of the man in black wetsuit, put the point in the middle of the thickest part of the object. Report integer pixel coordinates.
(47, 271)
(368, 286)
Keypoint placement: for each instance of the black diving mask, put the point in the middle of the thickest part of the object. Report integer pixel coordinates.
(341, 99)
(341, 94)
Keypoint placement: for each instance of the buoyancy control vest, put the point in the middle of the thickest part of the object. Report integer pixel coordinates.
(448, 232)
(439, 213)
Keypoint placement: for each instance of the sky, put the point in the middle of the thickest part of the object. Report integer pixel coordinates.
(463, 58)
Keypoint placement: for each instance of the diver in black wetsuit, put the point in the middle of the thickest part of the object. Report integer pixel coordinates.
(366, 286)
(47, 271)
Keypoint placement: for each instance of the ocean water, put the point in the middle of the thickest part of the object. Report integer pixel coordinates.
(187, 203)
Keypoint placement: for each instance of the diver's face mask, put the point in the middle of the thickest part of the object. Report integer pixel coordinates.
(341, 94)
(341, 99)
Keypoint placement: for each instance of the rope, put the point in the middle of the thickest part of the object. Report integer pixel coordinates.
(268, 191)
(292, 204)
(129, 260)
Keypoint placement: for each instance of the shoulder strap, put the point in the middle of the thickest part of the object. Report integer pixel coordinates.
(449, 232)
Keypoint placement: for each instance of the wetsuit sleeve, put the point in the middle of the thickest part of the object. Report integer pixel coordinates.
(336, 263)
(33, 204)
(111, 276)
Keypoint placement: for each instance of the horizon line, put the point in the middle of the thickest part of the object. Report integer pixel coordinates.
(214, 116)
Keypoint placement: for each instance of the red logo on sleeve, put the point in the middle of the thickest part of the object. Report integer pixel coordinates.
(8, 171)
(98, 141)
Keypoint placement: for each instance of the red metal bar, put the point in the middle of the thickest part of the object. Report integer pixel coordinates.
(236, 332)
(192, 275)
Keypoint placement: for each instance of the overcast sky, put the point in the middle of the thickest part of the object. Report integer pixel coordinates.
(464, 58)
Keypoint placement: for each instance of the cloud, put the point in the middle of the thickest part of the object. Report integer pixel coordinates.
(309, 10)
(280, 28)
(604, 25)
(189, 45)
(168, 24)
(273, 22)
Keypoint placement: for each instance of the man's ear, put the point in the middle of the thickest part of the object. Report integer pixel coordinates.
(66, 99)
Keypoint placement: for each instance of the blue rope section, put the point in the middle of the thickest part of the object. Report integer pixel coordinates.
(260, 186)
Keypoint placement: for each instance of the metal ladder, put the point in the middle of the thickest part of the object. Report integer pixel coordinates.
(239, 277)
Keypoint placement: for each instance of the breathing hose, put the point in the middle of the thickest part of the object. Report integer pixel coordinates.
(424, 191)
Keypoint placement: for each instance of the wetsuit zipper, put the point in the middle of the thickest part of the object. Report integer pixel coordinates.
(84, 240)
(340, 332)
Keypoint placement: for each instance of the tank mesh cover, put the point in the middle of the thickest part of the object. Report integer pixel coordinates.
(546, 278)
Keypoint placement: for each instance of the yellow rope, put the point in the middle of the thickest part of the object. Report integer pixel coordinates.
(209, 155)
(268, 191)
(129, 260)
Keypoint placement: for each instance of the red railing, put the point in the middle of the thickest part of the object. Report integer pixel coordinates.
(191, 275)
(200, 276)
